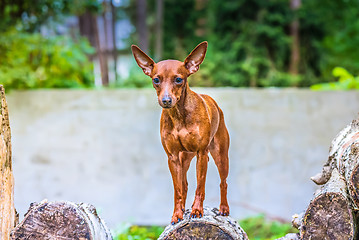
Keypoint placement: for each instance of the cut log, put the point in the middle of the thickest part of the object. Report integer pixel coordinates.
(210, 226)
(333, 212)
(7, 209)
(330, 215)
(61, 220)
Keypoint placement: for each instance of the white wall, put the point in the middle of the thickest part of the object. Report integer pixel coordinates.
(103, 147)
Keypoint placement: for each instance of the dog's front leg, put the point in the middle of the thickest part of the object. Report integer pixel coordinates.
(176, 172)
(201, 169)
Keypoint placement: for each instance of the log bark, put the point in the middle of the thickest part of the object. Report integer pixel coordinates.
(294, 33)
(344, 156)
(340, 145)
(7, 209)
(333, 212)
(61, 220)
(330, 215)
(210, 226)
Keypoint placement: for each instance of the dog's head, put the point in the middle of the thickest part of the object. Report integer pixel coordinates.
(169, 77)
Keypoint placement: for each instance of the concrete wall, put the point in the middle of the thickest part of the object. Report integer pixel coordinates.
(103, 147)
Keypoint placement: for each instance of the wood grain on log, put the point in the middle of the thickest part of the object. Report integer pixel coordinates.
(330, 214)
(210, 226)
(7, 210)
(61, 220)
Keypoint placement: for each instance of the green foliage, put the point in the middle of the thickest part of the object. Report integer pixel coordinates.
(32, 61)
(29, 15)
(250, 40)
(258, 228)
(181, 28)
(330, 36)
(346, 81)
(128, 232)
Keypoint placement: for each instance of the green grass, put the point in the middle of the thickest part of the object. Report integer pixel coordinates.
(257, 228)
(128, 232)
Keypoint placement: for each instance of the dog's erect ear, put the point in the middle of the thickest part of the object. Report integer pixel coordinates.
(144, 61)
(196, 57)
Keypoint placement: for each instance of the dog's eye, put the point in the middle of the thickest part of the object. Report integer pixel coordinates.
(156, 80)
(179, 80)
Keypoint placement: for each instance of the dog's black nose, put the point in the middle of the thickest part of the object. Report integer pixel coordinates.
(167, 101)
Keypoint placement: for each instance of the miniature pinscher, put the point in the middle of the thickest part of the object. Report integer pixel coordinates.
(191, 125)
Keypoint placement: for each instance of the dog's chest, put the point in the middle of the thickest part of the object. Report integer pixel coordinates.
(185, 139)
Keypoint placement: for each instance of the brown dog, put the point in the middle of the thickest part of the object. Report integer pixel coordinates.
(191, 125)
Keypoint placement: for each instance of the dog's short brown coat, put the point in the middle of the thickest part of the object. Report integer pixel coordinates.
(191, 125)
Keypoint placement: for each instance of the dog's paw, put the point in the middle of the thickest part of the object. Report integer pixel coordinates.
(196, 213)
(224, 210)
(177, 217)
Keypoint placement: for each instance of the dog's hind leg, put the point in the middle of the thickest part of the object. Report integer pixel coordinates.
(219, 151)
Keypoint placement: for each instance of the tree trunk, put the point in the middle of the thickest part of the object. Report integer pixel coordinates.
(101, 54)
(8, 216)
(61, 220)
(86, 27)
(114, 50)
(159, 30)
(294, 32)
(210, 226)
(142, 29)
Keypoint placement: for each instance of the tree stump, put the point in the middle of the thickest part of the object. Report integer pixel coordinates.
(7, 210)
(61, 220)
(332, 213)
(210, 226)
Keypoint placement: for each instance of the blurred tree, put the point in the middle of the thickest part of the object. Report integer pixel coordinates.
(256, 43)
(294, 33)
(159, 30)
(30, 16)
(32, 61)
(339, 43)
(141, 24)
(250, 43)
(114, 33)
(179, 27)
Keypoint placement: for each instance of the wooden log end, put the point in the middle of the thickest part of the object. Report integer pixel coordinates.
(60, 220)
(329, 216)
(210, 226)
